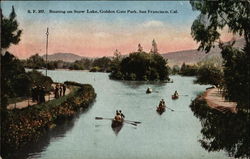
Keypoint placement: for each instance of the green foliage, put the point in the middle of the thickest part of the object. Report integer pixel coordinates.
(103, 63)
(217, 15)
(188, 70)
(35, 62)
(237, 75)
(209, 75)
(15, 82)
(12, 71)
(214, 16)
(27, 125)
(10, 34)
(76, 66)
(140, 66)
(95, 69)
(38, 79)
(223, 131)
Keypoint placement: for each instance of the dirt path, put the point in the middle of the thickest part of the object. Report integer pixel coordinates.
(24, 103)
(215, 100)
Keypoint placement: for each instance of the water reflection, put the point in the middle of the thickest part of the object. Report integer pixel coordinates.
(33, 149)
(223, 131)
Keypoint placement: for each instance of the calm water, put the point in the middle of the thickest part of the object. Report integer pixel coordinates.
(172, 135)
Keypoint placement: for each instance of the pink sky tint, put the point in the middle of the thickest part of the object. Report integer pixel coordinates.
(96, 39)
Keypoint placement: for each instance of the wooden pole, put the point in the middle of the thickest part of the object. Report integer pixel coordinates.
(47, 33)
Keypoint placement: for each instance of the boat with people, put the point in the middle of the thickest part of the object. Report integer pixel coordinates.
(117, 123)
(162, 107)
(176, 95)
(149, 90)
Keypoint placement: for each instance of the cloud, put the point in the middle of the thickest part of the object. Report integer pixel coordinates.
(153, 23)
(102, 35)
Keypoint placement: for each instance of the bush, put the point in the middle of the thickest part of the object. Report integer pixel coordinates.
(141, 66)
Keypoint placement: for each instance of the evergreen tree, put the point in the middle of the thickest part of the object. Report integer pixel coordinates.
(140, 49)
(154, 48)
(10, 34)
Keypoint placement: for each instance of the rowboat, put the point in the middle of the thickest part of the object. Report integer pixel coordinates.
(149, 90)
(117, 125)
(161, 109)
(175, 96)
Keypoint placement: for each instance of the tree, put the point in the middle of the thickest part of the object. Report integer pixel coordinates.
(216, 15)
(235, 15)
(35, 62)
(141, 66)
(140, 49)
(154, 48)
(14, 81)
(103, 63)
(10, 34)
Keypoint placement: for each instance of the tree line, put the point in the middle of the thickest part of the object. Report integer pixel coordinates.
(94, 65)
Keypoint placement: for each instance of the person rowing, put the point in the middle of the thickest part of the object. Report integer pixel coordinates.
(119, 116)
(162, 104)
(176, 94)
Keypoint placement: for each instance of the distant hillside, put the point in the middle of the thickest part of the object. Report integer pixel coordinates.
(67, 57)
(194, 56)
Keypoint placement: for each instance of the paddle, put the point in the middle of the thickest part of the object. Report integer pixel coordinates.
(101, 118)
(137, 122)
(130, 123)
(127, 121)
(183, 95)
(170, 109)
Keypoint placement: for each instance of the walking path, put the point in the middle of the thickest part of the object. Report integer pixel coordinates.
(25, 103)
(215, 100)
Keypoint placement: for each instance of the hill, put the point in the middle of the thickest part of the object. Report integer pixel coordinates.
(67, 57)
(194, 56)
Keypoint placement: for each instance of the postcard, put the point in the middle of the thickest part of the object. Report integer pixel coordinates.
(125, 79)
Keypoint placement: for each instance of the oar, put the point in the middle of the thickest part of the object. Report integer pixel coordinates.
(127, 121)
(183, 95)
(130, 123)
(170, 109)
(101, 118)
(137, 122)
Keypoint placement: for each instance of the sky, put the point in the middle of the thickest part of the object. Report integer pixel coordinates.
(100, 34)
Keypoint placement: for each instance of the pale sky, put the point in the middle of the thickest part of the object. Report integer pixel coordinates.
(99, 34)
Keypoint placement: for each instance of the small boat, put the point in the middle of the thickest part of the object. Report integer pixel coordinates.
(149, 90)
(161, 109)
(117, 125)
(175, 96)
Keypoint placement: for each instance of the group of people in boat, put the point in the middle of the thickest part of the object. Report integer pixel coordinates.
(176, 94)
(119, 116)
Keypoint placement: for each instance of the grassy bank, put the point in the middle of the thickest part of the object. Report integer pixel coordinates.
(19, 127)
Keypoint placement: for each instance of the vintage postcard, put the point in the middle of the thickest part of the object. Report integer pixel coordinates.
(125, 79)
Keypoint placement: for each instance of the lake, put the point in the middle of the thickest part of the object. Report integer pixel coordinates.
(174, 134)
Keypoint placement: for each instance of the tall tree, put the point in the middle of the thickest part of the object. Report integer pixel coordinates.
(10, 34)
(235, 15)
(140, 49)
(154, 48)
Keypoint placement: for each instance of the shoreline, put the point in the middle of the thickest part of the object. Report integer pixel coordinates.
(22, 126)
(215, 100)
